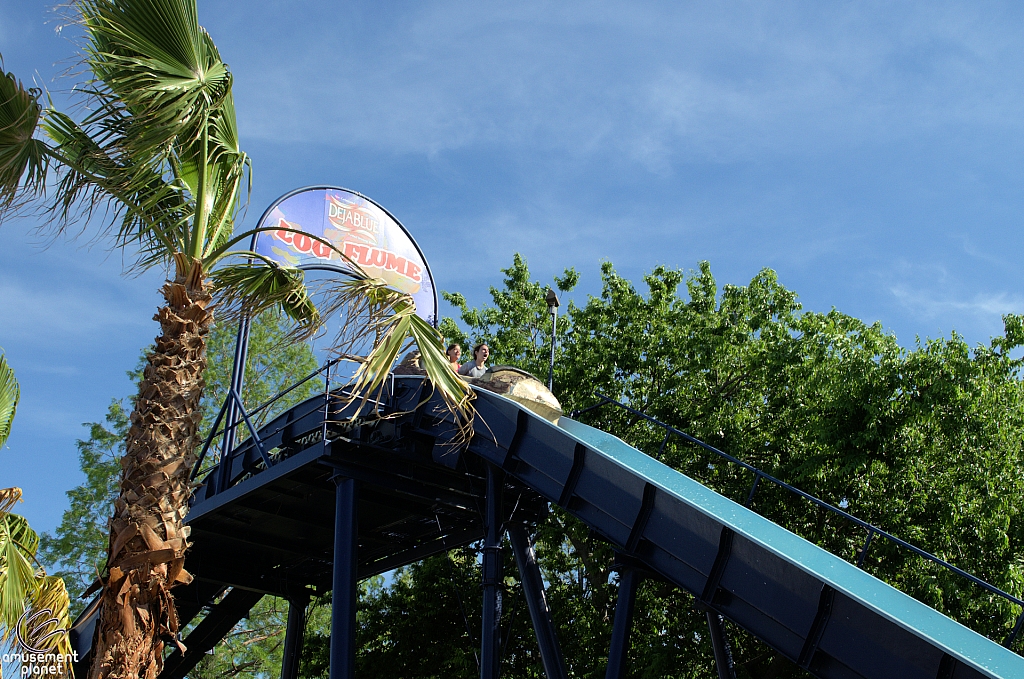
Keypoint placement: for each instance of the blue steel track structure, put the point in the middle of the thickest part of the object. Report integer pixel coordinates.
(337, 489)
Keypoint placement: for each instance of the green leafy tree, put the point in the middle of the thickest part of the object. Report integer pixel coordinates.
(77, 549)
(924, 442)
(425, 623)
(253, 648)
(449, 644)
(157, 155)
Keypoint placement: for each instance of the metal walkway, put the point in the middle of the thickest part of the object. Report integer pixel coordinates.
(318, 500)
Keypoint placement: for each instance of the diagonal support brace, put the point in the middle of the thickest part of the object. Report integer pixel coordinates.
(536, 601)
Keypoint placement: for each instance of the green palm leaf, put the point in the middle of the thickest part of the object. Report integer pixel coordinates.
(9, 396)
(147, 210)
(26, 590)
(154, 58)
(23, 159)
(18, 544)
(159, 152)
(251, 288)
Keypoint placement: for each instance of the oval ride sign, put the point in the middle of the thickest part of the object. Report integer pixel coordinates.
(367, 233)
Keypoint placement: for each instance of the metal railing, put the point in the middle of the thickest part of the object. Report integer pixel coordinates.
(238, 416)
(872, 530)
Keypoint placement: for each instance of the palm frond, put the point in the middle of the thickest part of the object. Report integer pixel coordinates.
(23, 158)
(18, 544)
(9, 396)
(435, 362)
(93, 175)
(33, 606)
(225, 126)
(370, 307)
(158, 152)
(157, 155)
(224, 194)
(251, 288)
(153, 56)
(358, 303)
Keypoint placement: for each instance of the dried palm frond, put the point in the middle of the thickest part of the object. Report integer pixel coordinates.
(8, 498)
(34, 618)
(370, 308)
(49, 618)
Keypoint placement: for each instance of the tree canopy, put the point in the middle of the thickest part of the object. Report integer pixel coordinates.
(922, 441)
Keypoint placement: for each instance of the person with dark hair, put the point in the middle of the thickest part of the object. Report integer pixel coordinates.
(454, 353)
(476, 367)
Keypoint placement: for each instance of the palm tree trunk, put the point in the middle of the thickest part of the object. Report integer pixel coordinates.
(147, 534)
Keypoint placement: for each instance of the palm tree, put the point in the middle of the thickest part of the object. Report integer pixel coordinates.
(156, 159)
(26, 591)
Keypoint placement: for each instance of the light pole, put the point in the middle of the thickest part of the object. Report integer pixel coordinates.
(552, 299)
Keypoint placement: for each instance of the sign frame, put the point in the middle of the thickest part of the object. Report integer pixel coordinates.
(433, 318)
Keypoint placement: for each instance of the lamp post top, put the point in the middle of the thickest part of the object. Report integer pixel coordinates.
(552, 299)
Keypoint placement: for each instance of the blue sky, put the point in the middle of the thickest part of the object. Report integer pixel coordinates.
(870, 153)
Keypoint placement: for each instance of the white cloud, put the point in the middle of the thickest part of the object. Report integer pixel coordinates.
(934, 292)
(929, 304)
(661, 85)
(62, 314)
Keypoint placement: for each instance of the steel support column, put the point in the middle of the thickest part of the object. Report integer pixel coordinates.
(293, 638)
(490, 634)
(536, 601)
(720, 644)
(231, 417)
(344, 595)
(629, 579)
(237, 379)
